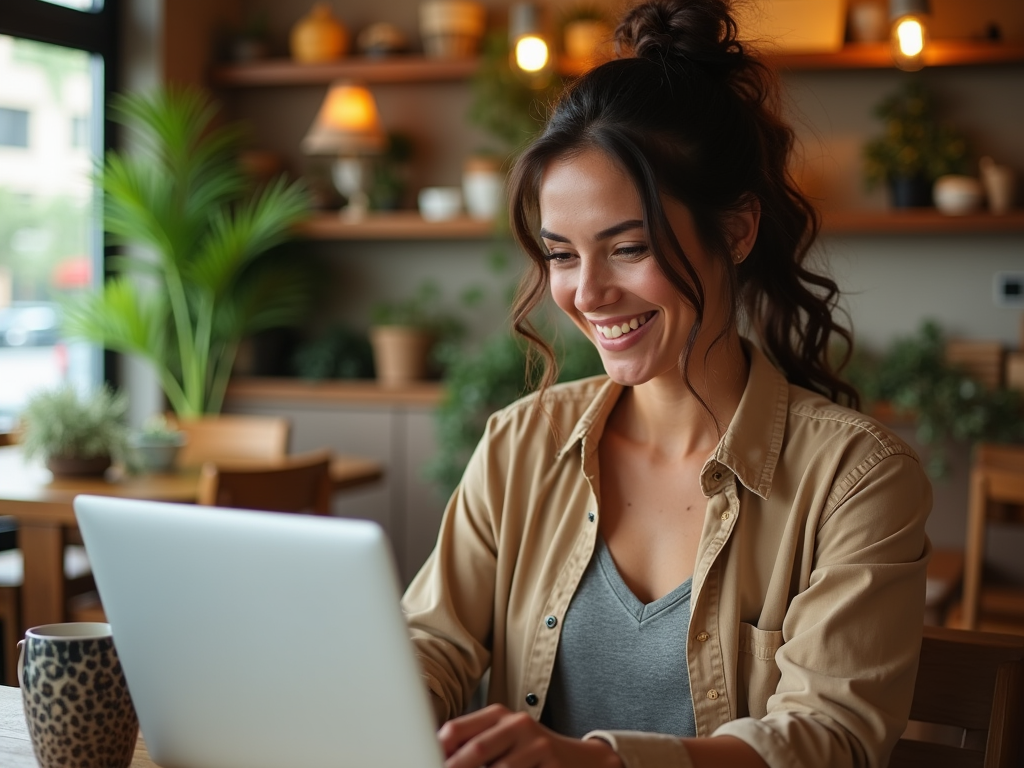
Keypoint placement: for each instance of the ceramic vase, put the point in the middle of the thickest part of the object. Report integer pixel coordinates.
(318, 36)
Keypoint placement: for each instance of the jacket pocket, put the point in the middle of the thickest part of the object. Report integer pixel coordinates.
(759, 675)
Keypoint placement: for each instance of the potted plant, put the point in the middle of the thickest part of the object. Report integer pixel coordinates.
(409, 335)
(75, 434)
(915, 149)
(198, 232)
(913, 378)
(586, 36)
(156, 444)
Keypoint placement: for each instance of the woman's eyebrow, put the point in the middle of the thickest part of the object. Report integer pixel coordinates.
(604, 234)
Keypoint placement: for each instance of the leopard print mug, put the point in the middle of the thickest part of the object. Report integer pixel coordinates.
(77, 705)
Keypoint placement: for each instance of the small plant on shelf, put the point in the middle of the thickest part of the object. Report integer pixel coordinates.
(916, 147)
(75, 433)
(946, 403)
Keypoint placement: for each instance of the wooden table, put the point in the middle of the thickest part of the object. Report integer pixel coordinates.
(42, 507)
(16, 746)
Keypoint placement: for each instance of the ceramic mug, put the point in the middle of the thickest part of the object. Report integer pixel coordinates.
(77, 706)
(440, 203)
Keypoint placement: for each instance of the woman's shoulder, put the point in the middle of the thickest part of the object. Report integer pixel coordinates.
(561, 406)
(813, 414)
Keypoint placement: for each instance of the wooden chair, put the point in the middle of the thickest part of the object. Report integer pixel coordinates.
(971, 686)
(233, 438)
(300, 483)
(996, 495)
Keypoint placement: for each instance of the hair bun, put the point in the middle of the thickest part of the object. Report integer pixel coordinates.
(699, 32)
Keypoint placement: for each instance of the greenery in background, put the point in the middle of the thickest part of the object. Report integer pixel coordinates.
(946, 403)
(339, 353)
(915, 142)
(476, 385)
(389, 173)
(62, 423)
(205, 232)
(504, 103)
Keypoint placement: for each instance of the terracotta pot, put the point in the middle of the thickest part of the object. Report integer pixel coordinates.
(318, 36)
(401, 354)
(452, 28)
(75, 466)
(588, 41)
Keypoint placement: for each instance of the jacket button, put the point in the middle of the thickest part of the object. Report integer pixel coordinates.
(726, 515)
(590, 516)
(716, 476)
(531, 699)
(702, 637)
(712, 694)
(551, 622)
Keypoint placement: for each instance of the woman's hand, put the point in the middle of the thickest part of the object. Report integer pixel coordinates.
(499, 738)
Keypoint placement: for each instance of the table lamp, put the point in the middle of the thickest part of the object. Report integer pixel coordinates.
(529, 48)
(347, 127)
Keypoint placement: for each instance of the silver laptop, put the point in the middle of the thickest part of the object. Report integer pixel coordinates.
(259, 640)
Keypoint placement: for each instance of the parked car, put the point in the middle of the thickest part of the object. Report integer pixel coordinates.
(29, 324)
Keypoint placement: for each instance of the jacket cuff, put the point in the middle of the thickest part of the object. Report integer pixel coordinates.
(637, 749)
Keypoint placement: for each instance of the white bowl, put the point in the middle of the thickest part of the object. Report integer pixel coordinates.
(440, 203)
(957, 195)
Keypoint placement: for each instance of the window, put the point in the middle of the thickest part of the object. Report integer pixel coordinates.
(13, 127)
(54, 77)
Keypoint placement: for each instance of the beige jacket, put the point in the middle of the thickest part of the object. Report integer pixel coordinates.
(808, 594)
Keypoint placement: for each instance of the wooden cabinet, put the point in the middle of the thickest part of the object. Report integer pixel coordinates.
(394, 427)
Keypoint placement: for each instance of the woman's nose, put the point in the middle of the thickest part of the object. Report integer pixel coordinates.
(594, 289)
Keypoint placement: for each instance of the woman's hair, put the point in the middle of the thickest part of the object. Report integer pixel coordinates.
(688, 112)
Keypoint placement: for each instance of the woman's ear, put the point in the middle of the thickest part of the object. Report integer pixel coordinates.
(743, 226)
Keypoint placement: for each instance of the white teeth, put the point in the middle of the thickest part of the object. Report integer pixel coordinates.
(614, 331)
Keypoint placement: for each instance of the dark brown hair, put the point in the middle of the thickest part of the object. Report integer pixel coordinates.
(689, 113)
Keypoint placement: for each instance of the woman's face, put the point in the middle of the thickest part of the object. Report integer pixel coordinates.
(604, 276)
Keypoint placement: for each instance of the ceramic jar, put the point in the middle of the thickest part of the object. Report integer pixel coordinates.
(999, 184)
(869, 21)
(587, 41)
(957, 195)
(452, 28)
(318, 36)
(482, 186)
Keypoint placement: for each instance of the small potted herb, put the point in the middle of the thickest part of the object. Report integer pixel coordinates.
(73, 433)
(156, 445)
(915, 149)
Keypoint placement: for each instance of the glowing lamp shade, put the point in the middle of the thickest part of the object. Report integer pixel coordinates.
(909, 33)
(347, 124)
(347, 127)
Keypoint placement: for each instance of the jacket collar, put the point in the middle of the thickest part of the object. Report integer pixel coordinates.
(751, 445)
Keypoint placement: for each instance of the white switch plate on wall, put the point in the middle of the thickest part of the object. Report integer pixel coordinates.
(1008, 289)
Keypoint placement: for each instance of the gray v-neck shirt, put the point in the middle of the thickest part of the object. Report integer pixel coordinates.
(621, 664)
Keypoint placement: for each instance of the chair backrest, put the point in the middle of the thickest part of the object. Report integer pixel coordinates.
(971, 684)
(233, 438)
(299, 483)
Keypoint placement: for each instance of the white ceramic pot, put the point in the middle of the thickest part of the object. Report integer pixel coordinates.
(483, 187)
(440, 203)
(957, 195)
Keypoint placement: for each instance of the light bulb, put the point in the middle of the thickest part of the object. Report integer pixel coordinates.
(531, 53)
(909, 33)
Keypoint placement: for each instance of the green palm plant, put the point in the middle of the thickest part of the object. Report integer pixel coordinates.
(198, 234)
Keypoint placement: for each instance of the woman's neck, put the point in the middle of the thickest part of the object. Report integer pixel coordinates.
(666, 415)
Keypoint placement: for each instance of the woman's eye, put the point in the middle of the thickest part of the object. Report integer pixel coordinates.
(557, 256)
(632, 251)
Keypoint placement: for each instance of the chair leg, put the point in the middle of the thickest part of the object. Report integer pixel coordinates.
(974, 551)
(9, 621)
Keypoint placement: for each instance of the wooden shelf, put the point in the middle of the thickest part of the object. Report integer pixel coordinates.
(395, 225)
(940, 53)
(423, 69)
(918, 221)
(397, 69)
(260, 389)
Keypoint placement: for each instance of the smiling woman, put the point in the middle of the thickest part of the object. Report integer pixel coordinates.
(702, 558)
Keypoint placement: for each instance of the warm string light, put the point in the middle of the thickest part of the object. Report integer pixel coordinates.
(531, 53)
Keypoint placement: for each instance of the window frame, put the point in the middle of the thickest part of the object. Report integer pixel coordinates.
(96, 32)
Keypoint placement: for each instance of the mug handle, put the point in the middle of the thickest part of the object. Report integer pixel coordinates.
(21, 663)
